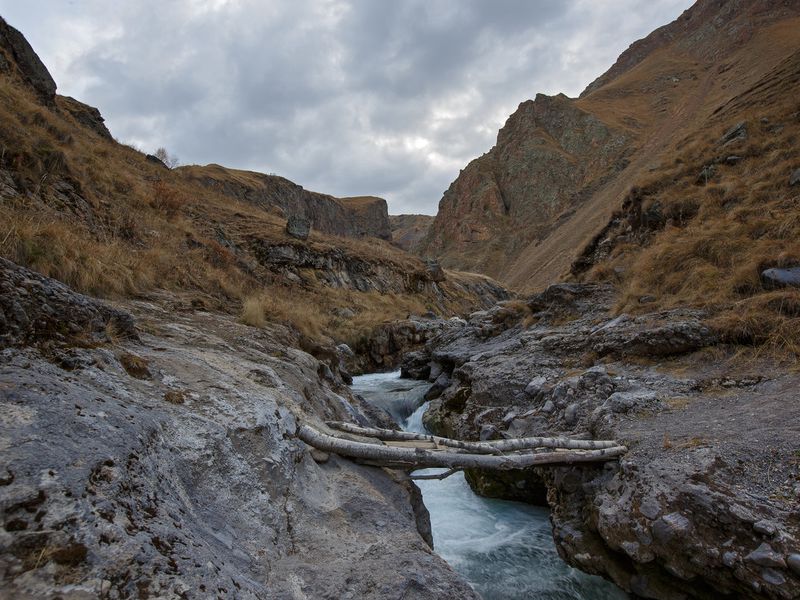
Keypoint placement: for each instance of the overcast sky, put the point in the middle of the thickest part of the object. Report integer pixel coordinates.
(347, 97)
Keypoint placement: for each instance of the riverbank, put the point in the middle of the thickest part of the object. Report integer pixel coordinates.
(505, 550)
(705, 503)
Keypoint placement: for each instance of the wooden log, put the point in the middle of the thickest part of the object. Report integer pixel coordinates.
(419, 458)
(488, 447)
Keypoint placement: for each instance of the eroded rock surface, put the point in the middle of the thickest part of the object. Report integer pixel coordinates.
(706, 504)
(186, 480)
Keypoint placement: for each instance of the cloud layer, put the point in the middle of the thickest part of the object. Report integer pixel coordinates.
(347, 97)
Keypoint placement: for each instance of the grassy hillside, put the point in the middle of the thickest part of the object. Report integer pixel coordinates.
(99, 216)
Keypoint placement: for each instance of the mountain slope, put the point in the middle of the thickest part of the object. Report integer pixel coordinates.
(569, 180)
(109, 221)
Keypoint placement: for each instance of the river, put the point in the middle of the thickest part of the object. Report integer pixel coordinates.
(505, 550)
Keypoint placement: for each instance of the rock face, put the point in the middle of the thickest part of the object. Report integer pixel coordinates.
(408, 231)
(351, 217)
(35, 309)
(15, 51)
(298, 227)
(548, 156)
(86, 115)
(187, 479)
(705, 503)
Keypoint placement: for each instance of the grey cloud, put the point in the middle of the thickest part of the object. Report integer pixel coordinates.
(344, 97)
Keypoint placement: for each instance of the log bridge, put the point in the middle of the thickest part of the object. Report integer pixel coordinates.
(409, 451)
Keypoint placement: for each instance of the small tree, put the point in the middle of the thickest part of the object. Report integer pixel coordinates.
(168, 159)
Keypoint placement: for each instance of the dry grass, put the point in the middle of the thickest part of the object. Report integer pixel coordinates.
(124, 227)
(719, 236)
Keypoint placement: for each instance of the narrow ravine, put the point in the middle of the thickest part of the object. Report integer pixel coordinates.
(504, 549)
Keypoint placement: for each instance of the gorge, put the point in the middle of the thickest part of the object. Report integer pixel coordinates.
(619, 266)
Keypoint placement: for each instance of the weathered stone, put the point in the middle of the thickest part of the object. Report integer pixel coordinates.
(778, 278)
(434, 270)
(38, 309)
(736, 133)
(152, 158)
(131, 496)
(571, 414)
(29, 65)
(298, 227)
(766, 556)
(535, 386)
(671, 527)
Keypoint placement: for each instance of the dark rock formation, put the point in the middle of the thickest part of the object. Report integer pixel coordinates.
(365, 216)
(34, 308)
(190, 482)
(704, 505)
(298, 227)
(29, 67)
(86, 115)
(152, 158)
(408, 231)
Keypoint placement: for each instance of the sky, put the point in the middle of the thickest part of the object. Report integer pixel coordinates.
(346, 97)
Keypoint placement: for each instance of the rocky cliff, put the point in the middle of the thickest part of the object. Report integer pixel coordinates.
(408, 231)
(364, 216)
(562, 166)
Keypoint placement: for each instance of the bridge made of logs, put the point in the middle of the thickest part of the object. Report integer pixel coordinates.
(409, 451)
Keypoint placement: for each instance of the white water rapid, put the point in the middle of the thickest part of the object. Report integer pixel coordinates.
(505, 550)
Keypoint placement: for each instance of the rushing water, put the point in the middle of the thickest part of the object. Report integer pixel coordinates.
(504, 549)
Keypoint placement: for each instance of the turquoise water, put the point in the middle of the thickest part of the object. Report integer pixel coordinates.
(505, 550)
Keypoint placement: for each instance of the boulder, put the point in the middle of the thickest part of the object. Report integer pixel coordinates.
(779, 278)
(434, 270)
(794, 179)
(156, 161)
(736, 133)
(298, 227)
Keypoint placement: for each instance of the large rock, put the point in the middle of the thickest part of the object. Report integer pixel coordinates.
(778, 278)
(36, 309)
(86, 115)
(29, 66)
(298, 227)
(794, 179)
(363, 216)
(191, 483)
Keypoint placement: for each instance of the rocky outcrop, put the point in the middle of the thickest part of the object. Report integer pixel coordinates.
(408, 231)
(86, 115)
(549, 156)
(365, 216)
(705, 503)
(184, 477)
(36, 309)
(17, 56)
